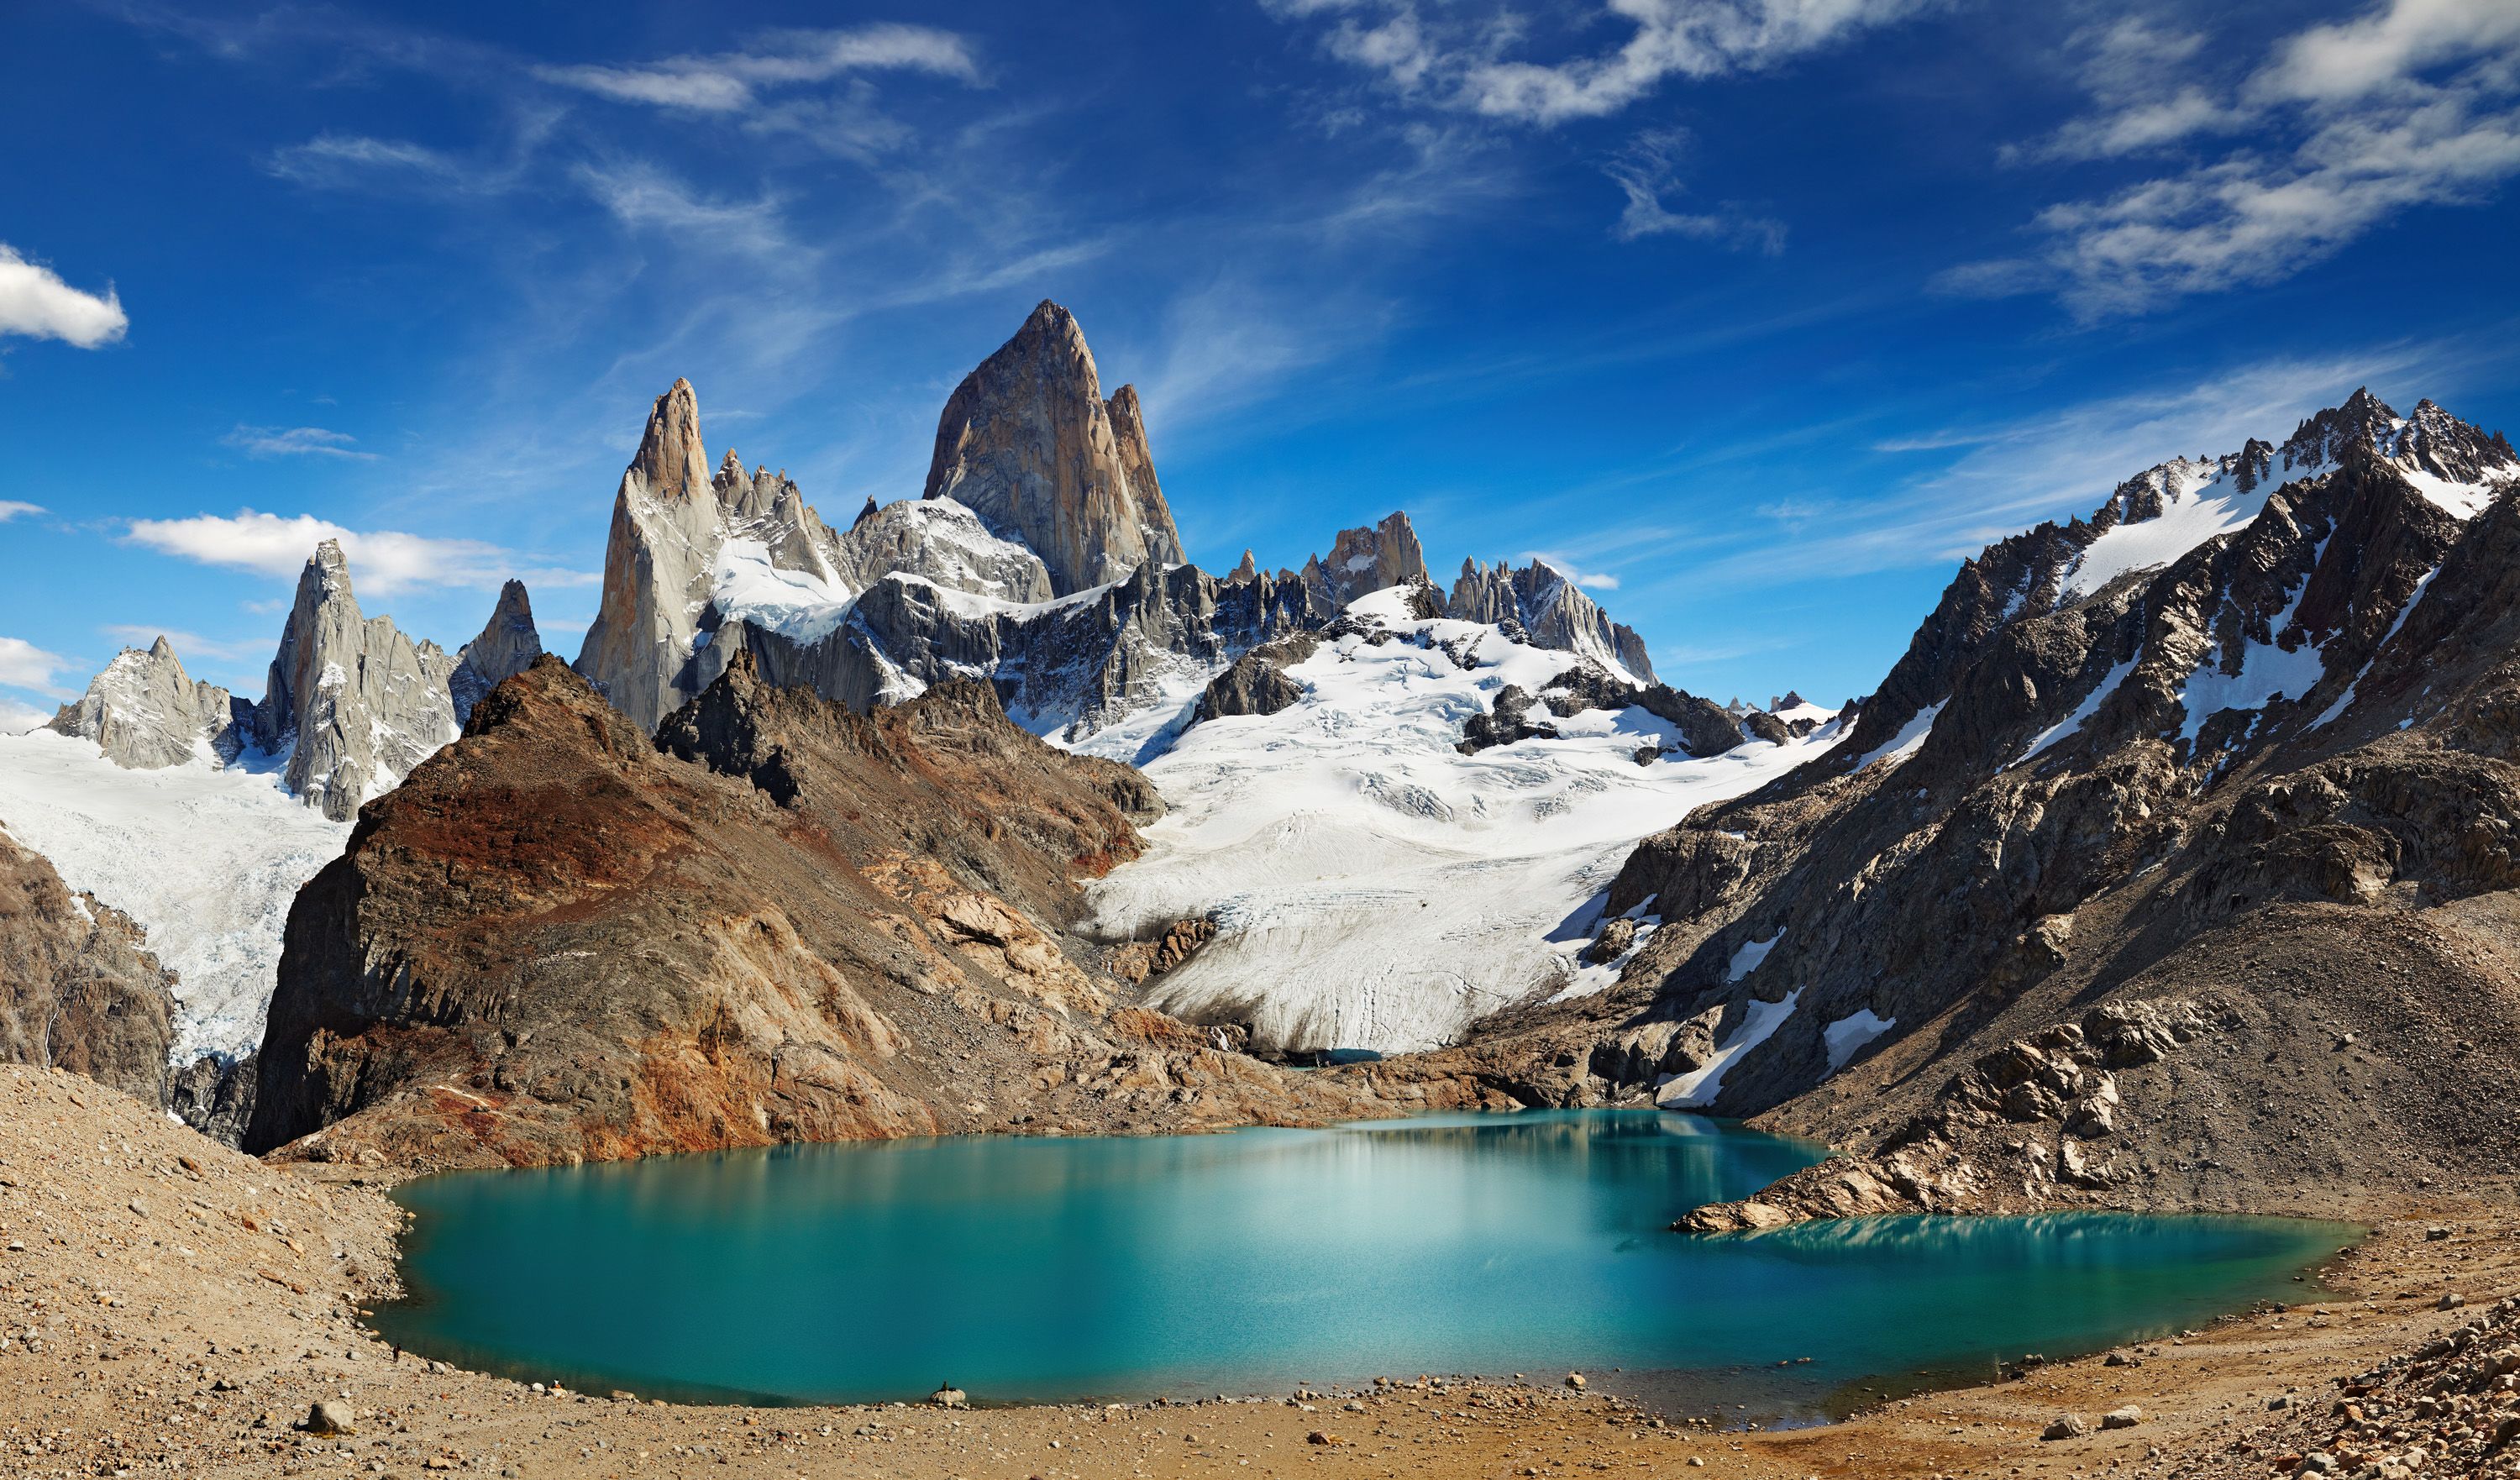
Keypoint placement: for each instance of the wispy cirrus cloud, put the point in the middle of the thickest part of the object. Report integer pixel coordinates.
(384, 563)
(11, 508)
(1647, 171)
(36, 305)
(2341, 128)
(191, 647)
(1470, 58)
(294, 443)
(2058, 462)
(733, 83)
(1597, 581)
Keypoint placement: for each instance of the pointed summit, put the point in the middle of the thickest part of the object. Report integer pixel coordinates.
(351, 701)
(1367, 559)
(508, 645)
(667, 525)
(671, 460)
(145, 712)
(1028, 443)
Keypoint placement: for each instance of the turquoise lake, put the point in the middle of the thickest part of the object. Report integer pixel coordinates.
(1042, 1270)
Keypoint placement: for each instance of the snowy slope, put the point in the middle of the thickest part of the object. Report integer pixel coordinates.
(206, 858)
(1376, 888)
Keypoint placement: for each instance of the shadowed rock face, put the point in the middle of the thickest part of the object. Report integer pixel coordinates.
(351, 701)
(779, 920)
(508, 645)
(2196, 891)
(145, 712)
(76, 990)
(1028, 443)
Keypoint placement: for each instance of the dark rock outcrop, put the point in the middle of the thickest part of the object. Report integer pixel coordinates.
(1257, 682)
(781, 920)
(78, 990)
(2194, 888)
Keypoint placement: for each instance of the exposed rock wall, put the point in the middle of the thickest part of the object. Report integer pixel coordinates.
(779, 922)
(351, 701)
(508, 645)
(658, 564)
(2195, 891)
(1028, 443)
(77, 989)
(145, 712)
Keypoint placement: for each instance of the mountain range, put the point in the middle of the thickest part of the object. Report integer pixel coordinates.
(2201, 800)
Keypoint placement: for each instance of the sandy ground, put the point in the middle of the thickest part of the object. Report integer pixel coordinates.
(170, 1307)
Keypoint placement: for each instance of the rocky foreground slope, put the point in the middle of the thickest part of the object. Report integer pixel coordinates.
(76, 990)
(776, 920)
(2195, 888)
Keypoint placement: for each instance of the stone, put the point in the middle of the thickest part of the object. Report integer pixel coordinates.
(947, 1395)
(1575, 1381)
(327, 1420)
(79, 989)
(2067, 1427)
(146, 713)
(350, 701)
(508, 645)
(2122, 1418)
(1027, 442)
(658, 564)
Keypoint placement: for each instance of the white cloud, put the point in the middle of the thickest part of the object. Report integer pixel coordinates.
(731, 82)
(23, 665)
(36, 303)
(642, 195)
(2414, 104)
(16, 718)
(295, 441)
(1468, 62)
(1646, 170)
(382, 562)
(11, 508)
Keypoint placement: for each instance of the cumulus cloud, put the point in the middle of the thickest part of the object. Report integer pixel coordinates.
(382, 562)
(16, 718)
(34, 302)
(1646, 172)
(1454, 59)
(732, 82)
(23, 665)
(2344, 127)
(191, 647)
(11, 508)
(294, 443)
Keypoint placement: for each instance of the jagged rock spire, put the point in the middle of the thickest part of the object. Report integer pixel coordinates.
(145, 712)
(1028, 443)
(667, 525)
(351, 701)
(1367, 559)
(508, 645)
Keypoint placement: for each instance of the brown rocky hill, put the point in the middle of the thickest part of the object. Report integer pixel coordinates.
(779, 921)
(2201, 888)
(76, 989)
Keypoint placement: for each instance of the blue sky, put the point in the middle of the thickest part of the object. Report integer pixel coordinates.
(1756, 313)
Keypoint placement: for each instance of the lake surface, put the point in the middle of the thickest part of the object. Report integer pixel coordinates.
(1045, 1270)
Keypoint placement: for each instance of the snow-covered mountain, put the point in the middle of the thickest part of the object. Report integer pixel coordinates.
(1375, 880)
(200, 814)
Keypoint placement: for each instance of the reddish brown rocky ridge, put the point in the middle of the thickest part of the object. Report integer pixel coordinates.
(779, 920)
